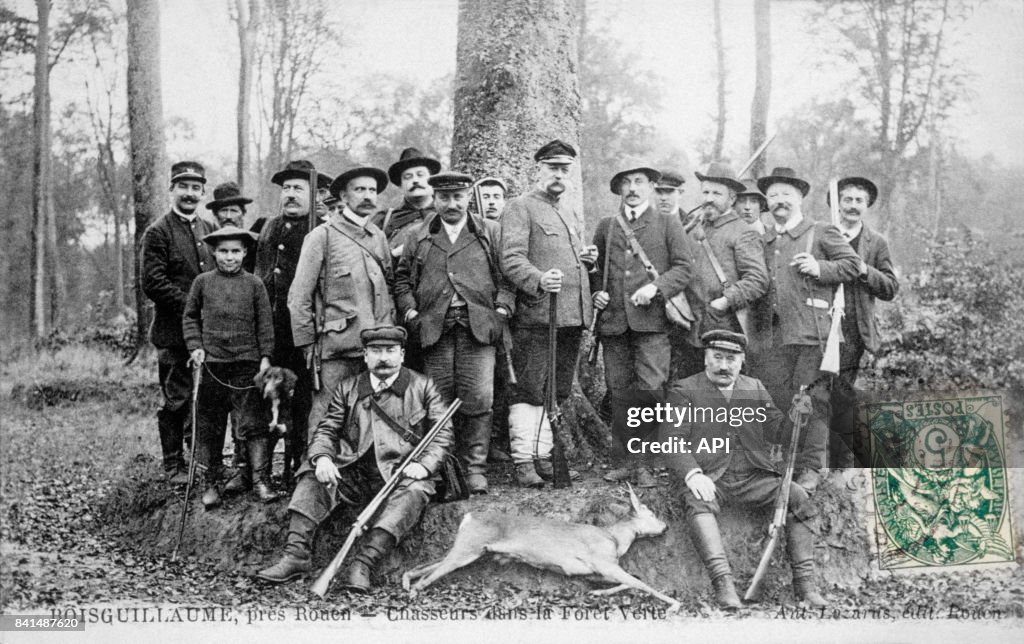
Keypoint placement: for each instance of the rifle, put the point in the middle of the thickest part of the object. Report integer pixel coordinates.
(318, 304)
(558, 462)
(323, 582)
(197, 377)
(801, 409)
(830, 358)
(506, 344)
(746, 166)
(595, 343)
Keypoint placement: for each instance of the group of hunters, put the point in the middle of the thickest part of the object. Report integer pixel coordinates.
(386, 317)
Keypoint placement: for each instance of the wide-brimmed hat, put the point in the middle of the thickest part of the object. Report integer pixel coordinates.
(383, 336)
(860, 182)
(188, 171)
(670, 179)
(724, 341)
(342, 179)
(410, 158)
(651, 173)
(783, 174)
(556, 152)
(750, 190)
(721, 172)
(227, 194)
(231, 232)
(300, 169)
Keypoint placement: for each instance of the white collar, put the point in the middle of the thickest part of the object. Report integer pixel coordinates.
(454, 230)
(639, 210)
(188, 218)
(851, 233)
(375, 381)
(353, 217)
(791, 224)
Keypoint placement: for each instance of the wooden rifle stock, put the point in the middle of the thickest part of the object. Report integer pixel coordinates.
(781, 507)
(323, 582)
(830, 358)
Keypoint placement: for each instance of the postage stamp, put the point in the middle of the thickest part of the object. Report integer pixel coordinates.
(940, 483)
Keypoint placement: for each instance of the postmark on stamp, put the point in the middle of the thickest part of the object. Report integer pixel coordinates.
(940, 484)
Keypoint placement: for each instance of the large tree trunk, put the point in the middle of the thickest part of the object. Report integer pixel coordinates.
(762, 83)
(248, 19)
(716, 152)
(516, 88)
(42, 179)
(145, 120)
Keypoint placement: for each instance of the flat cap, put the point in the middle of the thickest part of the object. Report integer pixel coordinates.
(556, 152)
(669, 179)
(188, 171)
(383, 336)
(443, 181)
(724, 341)
(230, 232)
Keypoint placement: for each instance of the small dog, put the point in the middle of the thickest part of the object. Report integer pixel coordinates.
(277, 385)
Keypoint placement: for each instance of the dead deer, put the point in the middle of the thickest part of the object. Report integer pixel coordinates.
(572, 549)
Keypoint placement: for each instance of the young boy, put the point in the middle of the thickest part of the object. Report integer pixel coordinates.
(229, 330)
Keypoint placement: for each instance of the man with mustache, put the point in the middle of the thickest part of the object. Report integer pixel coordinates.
(355, 449)
(173, 254)
(410, 173)
(633, 327)
(729, 267)
(451, 294)
(491, 192)
(875, 279)
(744, 473)
(542, 252)
(806, 261)
(342, 284)
(277, 254)
(228, 206)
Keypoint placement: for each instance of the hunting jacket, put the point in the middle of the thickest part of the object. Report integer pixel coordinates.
(879, 282)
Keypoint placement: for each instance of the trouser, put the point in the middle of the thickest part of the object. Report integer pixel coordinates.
(176, 390)
(463, 368)
(635, 370)
(312, 502)
(302, 398)
(332, 372)
(786, 369)
(226, 388)
(499, 407)
(849, 444)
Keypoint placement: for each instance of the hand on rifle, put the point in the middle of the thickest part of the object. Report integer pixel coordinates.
(551, 281)
(502, 311)
(396, 252)
(589, 255)
(719, 304)
(601, 299)
(801, 406)
(702, 486)
(307, 355)
(415, 471)
(326, 471)
(806, 264)
(644, 295)
(411, 315)
(198, 357)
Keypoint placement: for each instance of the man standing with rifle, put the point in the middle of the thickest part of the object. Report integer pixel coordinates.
(742, 473)
(374, 420)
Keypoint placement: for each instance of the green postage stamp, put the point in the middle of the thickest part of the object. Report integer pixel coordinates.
(940, 483)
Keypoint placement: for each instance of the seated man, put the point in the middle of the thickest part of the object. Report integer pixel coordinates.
(354, 450)
(742, 473)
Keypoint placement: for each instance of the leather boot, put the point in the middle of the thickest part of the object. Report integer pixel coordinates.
(211, 496)
(526, 475)
(476, 439)
(645, 477)
(241, 481)
(708, 541)
(171, 427)
(259, 460)
(800, 545)
(296, 560)
(377, 545)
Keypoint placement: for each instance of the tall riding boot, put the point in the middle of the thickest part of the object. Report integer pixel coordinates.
(241, 481)
(522, 431)
(259, 460)
(296, 559)
(708, 541)
(476, 438)
(377, 544)
(800, 545)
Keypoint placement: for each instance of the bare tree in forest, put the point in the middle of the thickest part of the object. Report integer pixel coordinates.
(720, 115)
(247, 19)
(762, 82)
(42, 179)
(145, 121)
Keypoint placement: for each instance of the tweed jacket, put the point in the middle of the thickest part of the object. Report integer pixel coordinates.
(752, 437)
(663, 240)
(432, 269)
(356, 292)
(351, 427)
(173, 255)
(880, 282)
(539, 233)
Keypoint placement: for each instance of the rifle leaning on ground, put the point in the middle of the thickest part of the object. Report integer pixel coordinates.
(830, 358)
(800, 413)
(323, 582)
(197, 377)
(560, 467)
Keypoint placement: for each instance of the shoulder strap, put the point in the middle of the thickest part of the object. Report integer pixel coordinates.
(714, 262)
(363, 246)
(406, 433)
(635, 246)
(607, 256)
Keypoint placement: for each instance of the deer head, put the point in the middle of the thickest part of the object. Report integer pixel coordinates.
(647, 525)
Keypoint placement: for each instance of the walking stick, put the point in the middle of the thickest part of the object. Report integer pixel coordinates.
(197, 376)
(558, 463)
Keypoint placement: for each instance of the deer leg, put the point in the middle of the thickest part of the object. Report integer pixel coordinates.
(453, 561)
(610, 591)
(417, 572)
(615, 573)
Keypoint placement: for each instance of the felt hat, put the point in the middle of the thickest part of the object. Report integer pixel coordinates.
(230, 232)
(227, 194)
(783, 174)
(300, 169)
(721, 172)
(410, 158)
(750, 190)
(341, 181)
(860, 182)
(651, 173)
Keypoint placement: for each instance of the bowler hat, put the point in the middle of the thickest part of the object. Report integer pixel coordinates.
(724, 340)
(227, 194)
(750, 190)
(784, 175)
(300, 169)
(669, 180)
(555, 152)
(450, 181)
(721, 172)
(860, 182)
(383, 336)
(188, 171)
(230, 232)
(410, 158)
(341, 181)
(651, 173)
